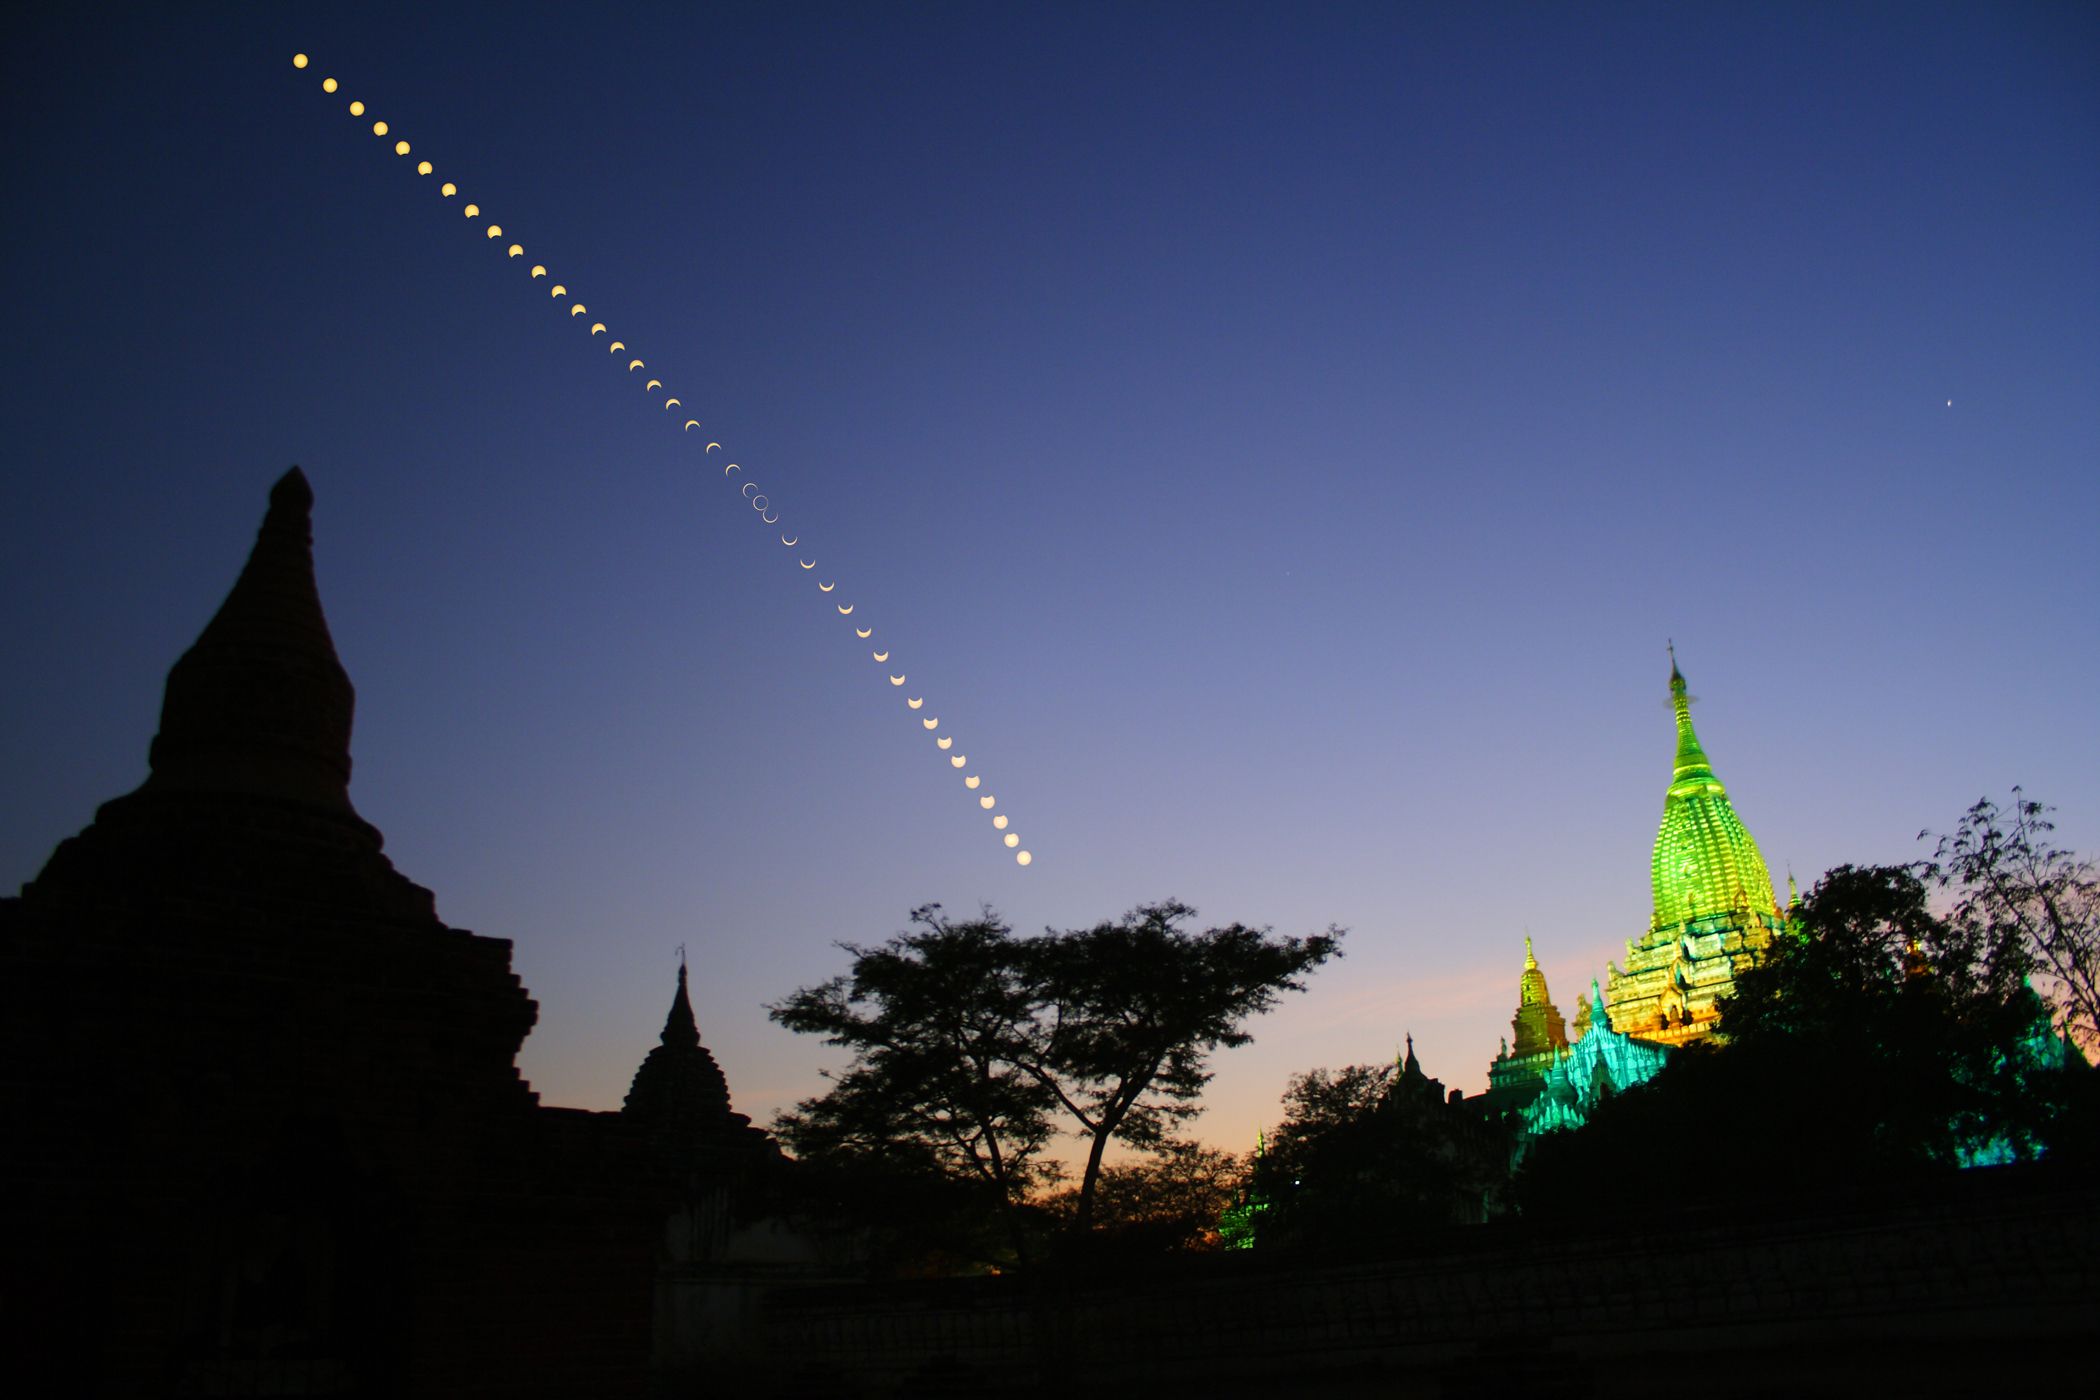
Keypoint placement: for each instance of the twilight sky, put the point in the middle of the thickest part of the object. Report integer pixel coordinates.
(1277, 442)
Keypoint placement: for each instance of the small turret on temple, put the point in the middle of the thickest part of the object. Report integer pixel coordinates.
(1517, 1074)
(681, 1098)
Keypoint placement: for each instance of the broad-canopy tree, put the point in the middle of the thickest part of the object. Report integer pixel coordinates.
(1132, 1009)
(968, 1043)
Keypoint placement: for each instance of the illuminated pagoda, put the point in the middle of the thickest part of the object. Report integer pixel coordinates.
(1520, 1070)
(1714, 908)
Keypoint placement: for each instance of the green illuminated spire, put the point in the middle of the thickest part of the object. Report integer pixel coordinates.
(1705, 861)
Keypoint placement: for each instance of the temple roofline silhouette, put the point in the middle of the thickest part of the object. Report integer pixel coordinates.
(267, 1132)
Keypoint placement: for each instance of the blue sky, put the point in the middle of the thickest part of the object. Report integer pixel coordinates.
(1276, 441)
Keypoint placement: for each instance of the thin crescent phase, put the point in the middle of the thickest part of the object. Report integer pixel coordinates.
(826, 587)
(845, 610)
(669, 402)
(866, 632)
(691, 423)
(769, 518)
(898, 680)
(808, 564)
(880, 655)
(652, 385)
(747, 488)
(732, 467)
(788, 542)
(633, 365)
(710, 447)
(616, 347)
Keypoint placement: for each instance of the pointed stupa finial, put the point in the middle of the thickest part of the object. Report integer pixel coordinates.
(1411, 1065)
(259, 705)
(1691, 769)
(1531, 964)
(1793, 889)
(680, 1029)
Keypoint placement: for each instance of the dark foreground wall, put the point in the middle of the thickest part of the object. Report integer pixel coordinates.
(1990, 1289)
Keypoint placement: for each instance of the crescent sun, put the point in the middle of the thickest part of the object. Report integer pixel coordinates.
(896, 680)
(866, 632)
(788, 542)
(710, 447)
(538, 270)
(826, 587)
(732, 467)
(809, 564)
(633, 365)
(845, 610)
(747, 488)
(691, 423)
(652, 385)
(943, 744)
(914, 704)
(616, 347)
(958, 760)
(879, 655)
(669, 402)
(597, 328)
(578, 309)
(557, 290)
(770, 519)
(933, 723)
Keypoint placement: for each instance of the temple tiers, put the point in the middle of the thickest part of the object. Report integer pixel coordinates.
(1714, 909)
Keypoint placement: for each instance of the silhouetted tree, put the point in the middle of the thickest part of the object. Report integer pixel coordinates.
(1371, 1151)
(939, 1021)
(2014, 886)
(1134, 1008)
(966, 1041)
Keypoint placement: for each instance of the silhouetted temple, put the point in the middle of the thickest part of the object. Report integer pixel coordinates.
(265, 1130)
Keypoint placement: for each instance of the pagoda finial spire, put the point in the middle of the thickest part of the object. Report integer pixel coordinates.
(1530, 963)
(680, 1029)
(1691, 770)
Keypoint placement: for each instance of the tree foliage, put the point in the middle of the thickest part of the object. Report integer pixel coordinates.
(969, 1045)
(1132, 1010)
(1369, 1152)
(939, 1021)
(2015, 888)
(1167, 1201)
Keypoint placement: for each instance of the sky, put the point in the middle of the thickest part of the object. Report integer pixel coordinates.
(1277, 442)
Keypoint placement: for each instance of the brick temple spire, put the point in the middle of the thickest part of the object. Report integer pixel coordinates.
(260, 705)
